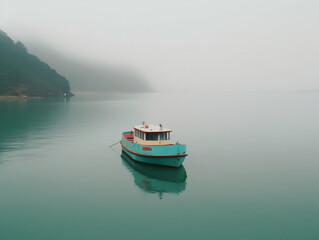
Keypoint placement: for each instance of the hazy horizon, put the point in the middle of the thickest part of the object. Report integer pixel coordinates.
(181, 46)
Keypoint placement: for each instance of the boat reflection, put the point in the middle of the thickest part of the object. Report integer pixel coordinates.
(156, 179)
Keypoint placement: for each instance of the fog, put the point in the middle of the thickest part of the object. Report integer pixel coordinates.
(247, 45)
(86, 75)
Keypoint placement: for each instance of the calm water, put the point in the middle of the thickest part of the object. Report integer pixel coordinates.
(252, 170)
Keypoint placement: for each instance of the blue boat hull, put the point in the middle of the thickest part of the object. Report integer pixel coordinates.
(163, 161)
(165, 155)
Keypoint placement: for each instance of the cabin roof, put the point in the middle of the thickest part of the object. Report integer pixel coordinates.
(151, 128)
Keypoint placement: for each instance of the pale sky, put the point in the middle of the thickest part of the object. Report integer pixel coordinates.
(248, 45)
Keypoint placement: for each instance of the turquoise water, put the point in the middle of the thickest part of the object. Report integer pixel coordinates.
(251, 173)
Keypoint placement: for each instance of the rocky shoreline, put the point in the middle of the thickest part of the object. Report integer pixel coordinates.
(19, 98)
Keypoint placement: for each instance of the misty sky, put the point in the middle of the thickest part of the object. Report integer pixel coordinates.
(249, 45)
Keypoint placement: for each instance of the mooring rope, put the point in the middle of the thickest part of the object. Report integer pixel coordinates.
(114, 143)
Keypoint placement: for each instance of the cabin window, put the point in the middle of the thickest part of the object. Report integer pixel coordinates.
(141, 135)
(164, 136)
(151, 136)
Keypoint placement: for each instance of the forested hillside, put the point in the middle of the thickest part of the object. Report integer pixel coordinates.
(24, 74)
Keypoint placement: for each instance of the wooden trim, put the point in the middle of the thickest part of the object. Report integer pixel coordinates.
(146, 155)
(159, 145)
(152, 131)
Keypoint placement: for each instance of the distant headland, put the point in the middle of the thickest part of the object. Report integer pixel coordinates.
(23, 75)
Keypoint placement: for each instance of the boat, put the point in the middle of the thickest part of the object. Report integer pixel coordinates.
(151, 144)
(156, 179)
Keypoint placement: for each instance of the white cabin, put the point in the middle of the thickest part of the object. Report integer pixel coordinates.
(152, 135)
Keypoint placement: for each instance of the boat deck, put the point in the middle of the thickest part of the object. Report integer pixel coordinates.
(129, 136)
